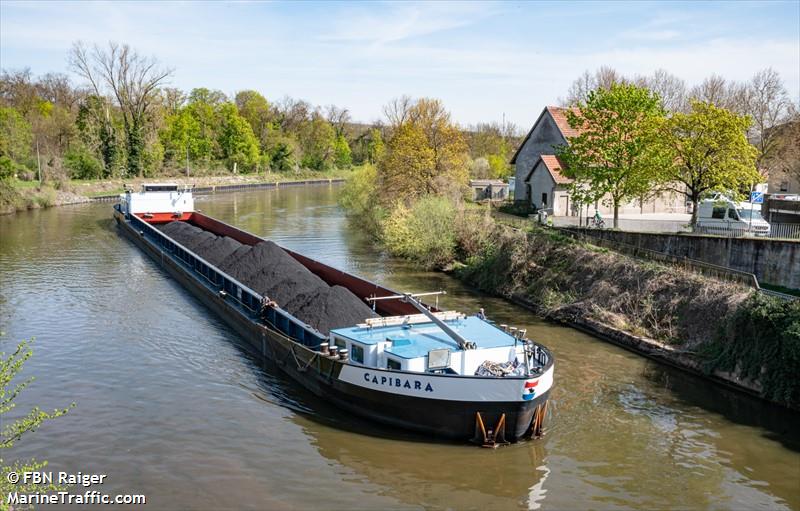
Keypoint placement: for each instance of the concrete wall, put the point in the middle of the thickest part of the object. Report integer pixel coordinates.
(544, 139)
(772, 261)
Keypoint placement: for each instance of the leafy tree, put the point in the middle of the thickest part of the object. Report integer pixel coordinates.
(182, 137)
(709, 150)
(426, 154)
(611, 159)
(99, 131)
(13, 431)
(281, 153)
(317, 142)
(499, 168)
(239, 145)
(407, 169)
(15, 135)
(256, 110)
(207, 96)
(82, 164)
(342, 157)
(375, 147)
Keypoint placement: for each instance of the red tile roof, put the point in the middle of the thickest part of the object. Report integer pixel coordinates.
(559, 115)
(555, 165)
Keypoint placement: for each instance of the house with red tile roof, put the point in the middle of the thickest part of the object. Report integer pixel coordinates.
(550, 131)
(539, 173)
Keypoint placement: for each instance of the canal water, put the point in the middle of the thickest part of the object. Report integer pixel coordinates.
(169, 404)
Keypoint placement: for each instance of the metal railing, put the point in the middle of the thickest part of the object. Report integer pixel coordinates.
(776, 231)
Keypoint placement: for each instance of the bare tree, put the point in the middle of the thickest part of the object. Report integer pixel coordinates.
(133, 82)
(769, 106)
(714, 89)
(338, 117)
(670, 88)
(397, 110)
(293, 113)
(172, 99)
(603, 78)
(57, 89)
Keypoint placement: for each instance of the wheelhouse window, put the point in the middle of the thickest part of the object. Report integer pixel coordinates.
(732, 214)
(718, 212)
(393, 364)
(339, 342)
(357, 353)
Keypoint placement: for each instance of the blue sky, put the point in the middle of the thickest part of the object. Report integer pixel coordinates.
(481, 59)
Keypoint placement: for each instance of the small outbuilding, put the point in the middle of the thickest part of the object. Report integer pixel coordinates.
(548, 187)
(488, 189)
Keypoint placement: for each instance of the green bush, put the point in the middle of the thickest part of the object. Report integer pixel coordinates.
(424, 233)
(82, 165)
(359, 198)
(761, 342)
(516, 208)
(7, 168)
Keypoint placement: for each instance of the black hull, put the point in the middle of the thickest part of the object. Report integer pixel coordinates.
(455, 420)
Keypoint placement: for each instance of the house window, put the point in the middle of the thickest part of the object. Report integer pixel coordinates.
(357, 354)
(718, 212)
(393, 364)
(544, 199)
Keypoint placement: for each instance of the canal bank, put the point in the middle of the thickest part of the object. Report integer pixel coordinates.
(720, 331)
(24, 196)
(190, 418)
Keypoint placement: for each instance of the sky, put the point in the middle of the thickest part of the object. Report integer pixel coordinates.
(484, 60)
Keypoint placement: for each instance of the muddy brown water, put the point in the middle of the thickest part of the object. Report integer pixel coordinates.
(169, 404)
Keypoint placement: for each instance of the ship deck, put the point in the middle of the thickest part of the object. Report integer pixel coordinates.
(416, 340)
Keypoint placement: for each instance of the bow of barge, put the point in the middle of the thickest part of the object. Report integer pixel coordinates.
(440, 373)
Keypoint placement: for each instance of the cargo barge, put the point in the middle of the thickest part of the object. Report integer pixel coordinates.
(409, 365)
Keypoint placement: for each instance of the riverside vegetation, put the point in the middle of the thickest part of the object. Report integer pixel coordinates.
(413, 202)
(122, 121)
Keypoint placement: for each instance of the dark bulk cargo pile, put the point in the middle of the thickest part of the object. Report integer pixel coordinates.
(268, 270)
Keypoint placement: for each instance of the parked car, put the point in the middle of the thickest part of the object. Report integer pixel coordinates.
(724, 216)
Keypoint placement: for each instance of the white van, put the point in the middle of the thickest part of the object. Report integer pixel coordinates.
(723, 216)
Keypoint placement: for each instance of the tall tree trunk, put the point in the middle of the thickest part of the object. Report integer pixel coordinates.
(616, 214)
(695, 198)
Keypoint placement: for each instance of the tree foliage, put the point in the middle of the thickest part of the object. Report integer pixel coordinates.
(706, 150)
(426, 154)
(12, 431)
(424, 232)
(611, 159)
